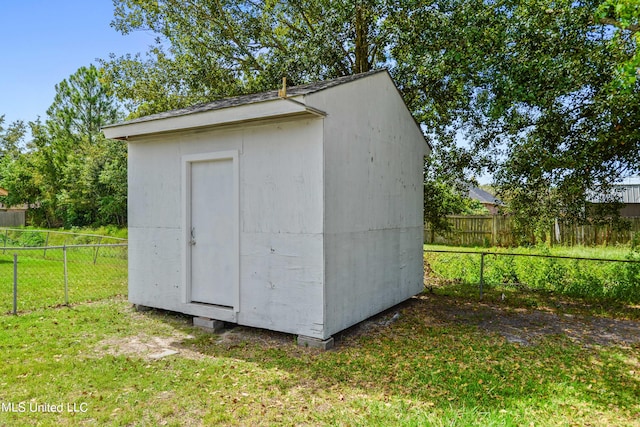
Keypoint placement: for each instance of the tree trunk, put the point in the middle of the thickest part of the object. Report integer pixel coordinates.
(362, 63)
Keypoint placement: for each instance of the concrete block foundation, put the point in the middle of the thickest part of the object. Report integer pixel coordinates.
(207, 324)
(305, 341)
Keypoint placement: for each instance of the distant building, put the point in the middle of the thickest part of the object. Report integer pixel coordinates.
(489, 201)
(14, 208)
(11, 216)
(628, 192)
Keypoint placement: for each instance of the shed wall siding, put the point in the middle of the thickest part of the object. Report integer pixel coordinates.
(281, 228)
(374, 156)
(281, 260)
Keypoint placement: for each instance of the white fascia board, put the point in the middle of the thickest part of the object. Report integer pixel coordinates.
(243, 113)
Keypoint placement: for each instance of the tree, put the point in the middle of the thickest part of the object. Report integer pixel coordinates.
(83, 104)
(69, 173)
(219, 48)
(11, 143)
(576, 134)
(11, 138)
(445, 194)
(536, 88)
(112, 184)
(624, 15)
(73, 147)
(531, 86)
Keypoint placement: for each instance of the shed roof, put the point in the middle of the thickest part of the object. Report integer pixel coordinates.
(249, 99)
(238, 109)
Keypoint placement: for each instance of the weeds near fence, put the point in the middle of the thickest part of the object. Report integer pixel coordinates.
(55, 275)
(27, 237)
(577, 276)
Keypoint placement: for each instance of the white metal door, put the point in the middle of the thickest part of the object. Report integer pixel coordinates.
(212, 228)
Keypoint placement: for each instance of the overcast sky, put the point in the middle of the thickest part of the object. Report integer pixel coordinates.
(45, 41)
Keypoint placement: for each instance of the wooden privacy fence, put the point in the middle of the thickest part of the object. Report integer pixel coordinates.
(499, 230)
(12, 218)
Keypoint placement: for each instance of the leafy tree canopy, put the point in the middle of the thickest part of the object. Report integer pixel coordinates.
(624, 15)
(216, 48)
(69, 174)
(11, 137)
(544, 93)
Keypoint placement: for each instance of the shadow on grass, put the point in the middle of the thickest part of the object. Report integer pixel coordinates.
(448, 349)
(517, 296)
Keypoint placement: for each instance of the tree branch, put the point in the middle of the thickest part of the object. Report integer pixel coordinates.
(633, 28)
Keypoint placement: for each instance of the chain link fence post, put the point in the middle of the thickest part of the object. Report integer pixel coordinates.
(46, 244)
(481, 272)
(95, 257)
(66, 275)
(15, 283)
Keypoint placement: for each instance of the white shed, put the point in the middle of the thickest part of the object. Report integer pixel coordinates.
(301, 214)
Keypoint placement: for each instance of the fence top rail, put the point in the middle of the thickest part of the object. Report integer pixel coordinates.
(34, 230)
(40, 248)
(531, 255)
(476, 216)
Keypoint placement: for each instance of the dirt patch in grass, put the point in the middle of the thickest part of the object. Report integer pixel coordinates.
(522, 326)
(526, 326)
(236, 336)
(147, 347)
(180, 336)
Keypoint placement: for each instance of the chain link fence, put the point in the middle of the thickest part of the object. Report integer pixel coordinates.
(577, 276)
(48, 268)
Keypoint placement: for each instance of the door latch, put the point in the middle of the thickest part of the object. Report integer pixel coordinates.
(192, 242)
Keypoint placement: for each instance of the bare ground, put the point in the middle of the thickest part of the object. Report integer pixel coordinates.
(526, 326)
(520, 326)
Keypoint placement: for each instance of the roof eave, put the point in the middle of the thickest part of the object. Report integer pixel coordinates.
(275, 108)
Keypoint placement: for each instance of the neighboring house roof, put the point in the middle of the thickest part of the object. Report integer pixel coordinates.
(482, 196)
(250, 99)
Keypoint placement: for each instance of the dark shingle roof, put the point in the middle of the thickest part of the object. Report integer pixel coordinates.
(482, 196)
(252, 98)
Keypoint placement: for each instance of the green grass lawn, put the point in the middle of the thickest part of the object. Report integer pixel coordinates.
(427, 368)
(443, 362)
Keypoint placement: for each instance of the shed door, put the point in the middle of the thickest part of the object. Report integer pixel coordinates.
(213, 232)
